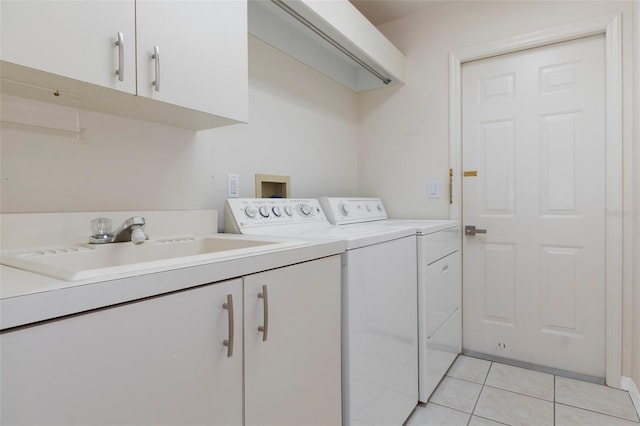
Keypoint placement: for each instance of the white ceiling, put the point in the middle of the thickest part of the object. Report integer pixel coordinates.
(381, 11)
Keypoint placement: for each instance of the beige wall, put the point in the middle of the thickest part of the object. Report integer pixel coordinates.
(301, 124)
(403, 132)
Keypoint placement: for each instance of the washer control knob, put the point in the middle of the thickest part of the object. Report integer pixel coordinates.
(368, 208)
(379, 207)
(305, 209)
(277, 211)
(288, 210)
(250, 211)
(264, 211)
(344, 209)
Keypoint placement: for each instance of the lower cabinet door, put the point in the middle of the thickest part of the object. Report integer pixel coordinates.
(159, 361)
(292, 345)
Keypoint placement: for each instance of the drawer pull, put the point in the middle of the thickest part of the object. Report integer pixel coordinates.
(156, 57)
(120, 44)
(229, 307)
(264, 328)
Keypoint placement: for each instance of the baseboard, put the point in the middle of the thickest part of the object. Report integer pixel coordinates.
(627, 384)
(536, 367)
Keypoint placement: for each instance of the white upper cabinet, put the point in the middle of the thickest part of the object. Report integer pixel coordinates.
(73, 47)
(331, 36)
(74, 39)
(202, 54)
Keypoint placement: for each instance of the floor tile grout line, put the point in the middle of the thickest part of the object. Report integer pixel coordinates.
(467, 380)
(475, 405)
(597, 412)
(520, 393)
(450, 408)
(491, 420)
(486, 376)
(464, 380)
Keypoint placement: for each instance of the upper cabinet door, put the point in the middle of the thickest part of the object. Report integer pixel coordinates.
(75, 39)
(196, 53)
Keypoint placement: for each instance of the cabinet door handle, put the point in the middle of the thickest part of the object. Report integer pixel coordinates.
(120, 44)
(156, 56)
(229, 307)
(264, 328)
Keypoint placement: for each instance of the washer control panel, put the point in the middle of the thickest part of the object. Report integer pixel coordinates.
(240, 213)
(341, 211)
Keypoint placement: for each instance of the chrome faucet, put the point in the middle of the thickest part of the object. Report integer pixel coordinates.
(131, 229)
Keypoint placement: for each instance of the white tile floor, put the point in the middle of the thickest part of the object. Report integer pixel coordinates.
(476, 392)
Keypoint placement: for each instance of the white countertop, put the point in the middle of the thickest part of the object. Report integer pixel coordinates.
(27, 297)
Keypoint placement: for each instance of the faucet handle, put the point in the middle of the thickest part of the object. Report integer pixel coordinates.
(101, 226)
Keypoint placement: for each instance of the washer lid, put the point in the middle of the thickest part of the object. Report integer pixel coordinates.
(366, 234)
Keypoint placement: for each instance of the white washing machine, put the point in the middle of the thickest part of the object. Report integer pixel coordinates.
(439, 284)
(379, 329)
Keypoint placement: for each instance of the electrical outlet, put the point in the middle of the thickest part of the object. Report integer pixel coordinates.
(233, 186)
(501, 346)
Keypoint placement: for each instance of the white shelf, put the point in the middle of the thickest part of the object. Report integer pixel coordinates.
(341, 22)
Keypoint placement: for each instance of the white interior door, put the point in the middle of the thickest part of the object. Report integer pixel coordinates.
(534, 134)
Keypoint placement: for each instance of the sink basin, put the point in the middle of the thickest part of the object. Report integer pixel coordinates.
(79, 262)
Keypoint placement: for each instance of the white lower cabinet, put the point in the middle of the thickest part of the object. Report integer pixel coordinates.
(166, 360)
(159, 361)
(293, 376)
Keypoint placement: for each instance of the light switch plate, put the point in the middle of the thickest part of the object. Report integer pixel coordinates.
(433, 191)
(233, 186)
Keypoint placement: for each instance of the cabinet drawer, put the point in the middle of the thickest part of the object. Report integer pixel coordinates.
(435, 246)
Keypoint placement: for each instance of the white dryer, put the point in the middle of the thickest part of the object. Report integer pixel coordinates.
(379, 328)
(439, 284)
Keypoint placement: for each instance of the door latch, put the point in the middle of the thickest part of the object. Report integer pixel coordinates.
(471, 230)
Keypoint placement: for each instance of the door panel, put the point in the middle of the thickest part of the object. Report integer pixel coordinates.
(533, 129)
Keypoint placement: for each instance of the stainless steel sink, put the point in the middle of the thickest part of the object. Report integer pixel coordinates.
(79, 262)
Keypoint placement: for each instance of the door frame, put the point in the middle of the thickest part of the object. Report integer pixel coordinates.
(609, 25)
